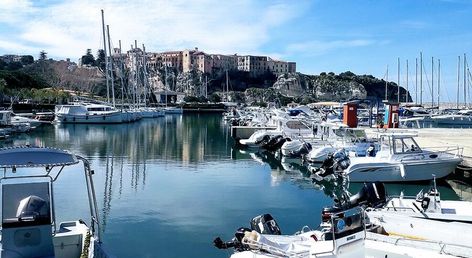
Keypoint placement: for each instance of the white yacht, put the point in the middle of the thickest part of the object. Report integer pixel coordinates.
(81, 113)
(29, 226)
(463, 117)
(400, 159)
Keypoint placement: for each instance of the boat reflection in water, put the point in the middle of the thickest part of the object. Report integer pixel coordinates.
(294, 170)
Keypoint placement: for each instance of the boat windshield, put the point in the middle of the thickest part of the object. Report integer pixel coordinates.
(405, 145)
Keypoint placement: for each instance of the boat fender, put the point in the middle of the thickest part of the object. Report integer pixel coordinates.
(73, 119)
(65, 119)
(103, 117)
(86, 117)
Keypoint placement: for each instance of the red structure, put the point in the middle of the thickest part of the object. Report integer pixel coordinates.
(391, 119)
(350, 114)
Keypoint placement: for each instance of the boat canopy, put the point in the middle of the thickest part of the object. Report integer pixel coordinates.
(35, 157)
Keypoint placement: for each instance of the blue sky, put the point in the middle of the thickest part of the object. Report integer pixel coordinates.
(362, 36)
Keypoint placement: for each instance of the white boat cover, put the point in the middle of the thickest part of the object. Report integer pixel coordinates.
(35, 157)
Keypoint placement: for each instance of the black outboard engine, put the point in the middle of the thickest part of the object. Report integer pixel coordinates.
(263, 140)
(371, 194)
(236, 242)
(265, 224)
(303, 150)
(274, 143)
(334, 163)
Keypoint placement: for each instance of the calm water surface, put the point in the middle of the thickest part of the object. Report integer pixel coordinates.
(167, 187)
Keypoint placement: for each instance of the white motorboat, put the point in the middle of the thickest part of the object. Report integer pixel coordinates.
(430, 206)
(9, 127)
(81, 113)
(173, 110)
(400, 159)
(342, 233)
(29, 226)
(150, 112)
(18, 119)
(258, 138)
(353, 140)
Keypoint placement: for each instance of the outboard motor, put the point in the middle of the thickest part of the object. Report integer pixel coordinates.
(341, 160)
(371, 194)
(265, 224)
(263, 140)
(303, 150)
(274, 143)
(236, 242)
(334, 163)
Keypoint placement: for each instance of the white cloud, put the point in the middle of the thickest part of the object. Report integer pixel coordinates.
(67, 29)
(318, 47)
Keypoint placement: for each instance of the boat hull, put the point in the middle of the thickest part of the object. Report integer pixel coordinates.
(109, 118)
(392, 172)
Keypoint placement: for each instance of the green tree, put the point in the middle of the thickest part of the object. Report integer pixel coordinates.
(88, 58)
(43, 55)
(26, 60)
(214, 98)
(100, 61)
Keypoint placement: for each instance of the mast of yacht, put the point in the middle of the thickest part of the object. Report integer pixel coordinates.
(145, 79)
(121, 77)
(406, 93)
(458, 79)
(465, 81)
(106, 59)
(111, 67)
(416, 80)
(165, 81)
(439, 80)
(432, 82)
(421, 78)
(398, 80)
(227, 85)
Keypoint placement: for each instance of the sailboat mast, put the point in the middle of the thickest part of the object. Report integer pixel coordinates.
(106, 59)
(416, 80)
(227, 86)
(465, 81)
(406, 93)
(111, 67)
(421, 78)
(458, 79)
(145, 79)
(439, 79)
(432, 82)
(398, 80)
(121, 77)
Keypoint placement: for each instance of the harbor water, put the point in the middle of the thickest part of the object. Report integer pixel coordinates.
(166, 187)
